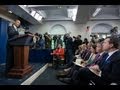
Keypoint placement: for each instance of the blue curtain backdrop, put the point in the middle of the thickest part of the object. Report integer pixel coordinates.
(3, 39)
(41, 56)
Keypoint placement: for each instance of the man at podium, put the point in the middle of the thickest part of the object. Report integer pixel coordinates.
(12, 33)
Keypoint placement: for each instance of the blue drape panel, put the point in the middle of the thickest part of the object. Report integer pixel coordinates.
(3, 39)
(42, 56)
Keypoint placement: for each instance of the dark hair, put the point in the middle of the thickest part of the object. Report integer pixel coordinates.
(85, 40)
(79, 36)
(88, 27)
(115, 41)
(93, 46)
(36, 34)
(40, 35)
(74, 37)
(101, 40)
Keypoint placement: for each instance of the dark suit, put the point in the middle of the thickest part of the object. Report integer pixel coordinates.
(12, 32)
(69, 51)
(110, 69)
(110, 72)
(10, 54)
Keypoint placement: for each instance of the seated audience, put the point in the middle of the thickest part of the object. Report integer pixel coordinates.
(104, 72)
(92, 55)
(86, 53)
(81, 63)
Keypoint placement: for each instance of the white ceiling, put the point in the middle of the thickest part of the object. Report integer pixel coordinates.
(65, 12)
(84, 12)
(53, 12)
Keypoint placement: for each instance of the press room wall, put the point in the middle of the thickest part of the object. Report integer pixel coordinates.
(70, 26)
(74, 29)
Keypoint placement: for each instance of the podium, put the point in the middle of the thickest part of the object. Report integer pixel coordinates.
(21, 66)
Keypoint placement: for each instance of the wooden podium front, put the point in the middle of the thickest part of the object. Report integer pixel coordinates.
(21, 55)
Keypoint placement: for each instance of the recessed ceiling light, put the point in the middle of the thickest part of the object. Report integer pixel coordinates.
(59, 7)
(96, 11)
(10, 11)
(25, 5)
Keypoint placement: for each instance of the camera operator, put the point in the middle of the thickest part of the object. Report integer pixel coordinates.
(48, 40)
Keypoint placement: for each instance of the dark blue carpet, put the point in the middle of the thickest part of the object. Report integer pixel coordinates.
(48, 77)
(12, 81)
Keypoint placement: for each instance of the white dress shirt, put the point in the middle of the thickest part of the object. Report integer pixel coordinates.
(15, 27)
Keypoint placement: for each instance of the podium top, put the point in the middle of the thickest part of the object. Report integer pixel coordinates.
(25, 40)
(21, 36)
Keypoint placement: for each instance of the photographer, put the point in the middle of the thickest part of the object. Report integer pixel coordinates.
(69, 50)
(48, 40)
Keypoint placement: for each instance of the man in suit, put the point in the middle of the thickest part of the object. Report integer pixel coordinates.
(107, 70)
(13, 30)
(12, 33)
(69, 50)
(48, 40)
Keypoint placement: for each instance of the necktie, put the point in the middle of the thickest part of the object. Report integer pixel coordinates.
(104, 60)
(97, 58)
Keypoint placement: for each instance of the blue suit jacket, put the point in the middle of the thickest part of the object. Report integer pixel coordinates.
(111, 69)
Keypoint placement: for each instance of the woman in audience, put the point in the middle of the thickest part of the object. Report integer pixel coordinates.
(92, 56)
(58, 55)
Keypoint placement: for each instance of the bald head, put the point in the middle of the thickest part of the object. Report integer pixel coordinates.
(17, 23)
